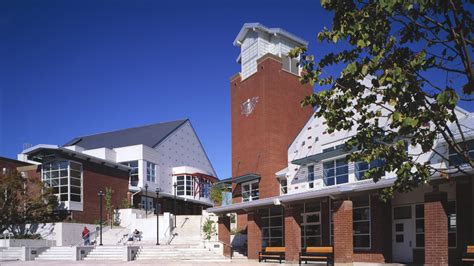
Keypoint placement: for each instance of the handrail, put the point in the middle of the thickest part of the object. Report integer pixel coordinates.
(229, 245)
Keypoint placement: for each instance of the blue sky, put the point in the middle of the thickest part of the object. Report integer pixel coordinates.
(71, 68)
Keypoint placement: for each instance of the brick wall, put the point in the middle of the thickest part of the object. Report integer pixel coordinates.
(254, 235)
(96, 178)
(224, 233)
(436, 229)
(343, 241)
(292, 234)
(260, 141)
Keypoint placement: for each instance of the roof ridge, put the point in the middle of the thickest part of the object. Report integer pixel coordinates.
(147, 125)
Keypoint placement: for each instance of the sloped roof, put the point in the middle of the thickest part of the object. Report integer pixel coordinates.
(149, 135)
(278, 31)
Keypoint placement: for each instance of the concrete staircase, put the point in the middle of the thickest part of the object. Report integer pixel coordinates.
(11, 253)
(113, 236)
(187, 231)
(56, 253)
(106, 253)
(179, 252)
(239, 253)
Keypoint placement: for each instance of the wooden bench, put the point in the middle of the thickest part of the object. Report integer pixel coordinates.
(272, 253)
(317, 254)
(468, 257)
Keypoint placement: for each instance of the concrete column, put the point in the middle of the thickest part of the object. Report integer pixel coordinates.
(436, 229)
(343, 239)
(254, 235)
(224, 233)
(292, 234)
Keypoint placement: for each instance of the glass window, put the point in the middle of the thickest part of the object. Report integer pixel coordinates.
(452, 224)
(403, 212)
(457, 160)
(362, 167)
(311, 224)
(250, 191)
(133, 175)
(419, 225)
(336, 172)
(311, 176)
(290, 64)
(185, 185)
(283, 186)
(150, 171)
(361, 221)
(272, 227)
(65, 178)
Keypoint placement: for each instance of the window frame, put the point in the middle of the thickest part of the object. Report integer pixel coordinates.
(150, 172)
(250, 196)
(310, 176)
(304, 223)
(354, 234)
(334, 168)
(184, 187)
(268, 215)
(48, 167)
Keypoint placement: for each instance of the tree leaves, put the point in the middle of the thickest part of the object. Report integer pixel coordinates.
(392, 43)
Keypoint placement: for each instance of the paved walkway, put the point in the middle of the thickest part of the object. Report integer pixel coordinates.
(154, 262)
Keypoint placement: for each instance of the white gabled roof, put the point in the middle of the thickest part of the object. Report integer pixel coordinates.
(277, 31)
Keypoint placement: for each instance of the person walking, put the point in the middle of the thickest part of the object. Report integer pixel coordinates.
(86, 236)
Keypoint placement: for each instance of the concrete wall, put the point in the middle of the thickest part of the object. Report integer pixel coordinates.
(134, 219)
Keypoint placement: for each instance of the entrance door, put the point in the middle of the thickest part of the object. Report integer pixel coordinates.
(403, 233)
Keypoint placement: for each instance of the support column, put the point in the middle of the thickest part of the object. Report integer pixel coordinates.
(381, 228)
(343, 239)
(292, 234)
(254, 235)
(224, 233)
(436, 229)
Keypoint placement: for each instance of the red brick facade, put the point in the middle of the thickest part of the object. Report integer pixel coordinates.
(224, 233)
(343, 241)
(254, 235)
(292, 234)
(260, 141)
(436, 229)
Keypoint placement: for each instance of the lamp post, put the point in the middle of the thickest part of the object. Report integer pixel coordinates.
(174, 203)
(158, 216)
(146, 201)
(100, 194)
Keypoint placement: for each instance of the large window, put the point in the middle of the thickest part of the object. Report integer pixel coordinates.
(457, 160)
(205, 188)
(133, 175)
(311, 225)
(150, 171)
(419, 225)
(185, 185)
(250, 191)
(452, 224)
(336, 172)
(311, 176)
(272, 227)
(65, 178)
(361, 221)
(362, 167)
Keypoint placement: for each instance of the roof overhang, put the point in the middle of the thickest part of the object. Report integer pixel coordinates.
(360, 186)
(274, 31)
(245, 178)
(322, 156)
(40, 152)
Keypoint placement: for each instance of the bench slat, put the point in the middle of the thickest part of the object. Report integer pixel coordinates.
(275, 249)
(319, 249)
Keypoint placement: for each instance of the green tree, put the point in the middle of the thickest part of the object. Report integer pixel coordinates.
(26, 201)
(109, 207)
(209, 229)
(399, 49)
(217, 194)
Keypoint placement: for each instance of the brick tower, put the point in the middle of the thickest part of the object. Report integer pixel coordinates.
(266, 111)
